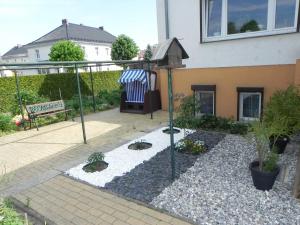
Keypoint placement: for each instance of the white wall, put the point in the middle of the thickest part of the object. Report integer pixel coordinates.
(184, 20)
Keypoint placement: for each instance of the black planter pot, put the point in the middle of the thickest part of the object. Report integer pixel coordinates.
(280, 143)
(263, 180)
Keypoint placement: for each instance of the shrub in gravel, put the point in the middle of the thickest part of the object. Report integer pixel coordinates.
(95, 163)
(96, 157)
(239, 128)
(190, 146)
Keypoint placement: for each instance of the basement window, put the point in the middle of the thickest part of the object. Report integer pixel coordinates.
(205, 99)
(250, 102)
(234, 19)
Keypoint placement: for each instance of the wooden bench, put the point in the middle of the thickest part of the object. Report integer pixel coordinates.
(45, 109)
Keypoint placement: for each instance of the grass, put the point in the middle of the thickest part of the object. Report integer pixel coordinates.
(8, 216)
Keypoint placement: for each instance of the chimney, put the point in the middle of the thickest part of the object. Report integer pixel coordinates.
(101, 28)
(64, 21)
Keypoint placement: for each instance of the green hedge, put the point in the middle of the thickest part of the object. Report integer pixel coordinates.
(48, 86)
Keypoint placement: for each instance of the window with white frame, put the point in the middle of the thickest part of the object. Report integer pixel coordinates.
(232, 19)
(250, 105)
(97, 51)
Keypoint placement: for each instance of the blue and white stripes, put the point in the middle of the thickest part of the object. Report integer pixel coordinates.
(135, 91)
(135, 83)
(129, 76)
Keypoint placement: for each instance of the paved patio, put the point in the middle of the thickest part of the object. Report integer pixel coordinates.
(34, 161)
(65, 201)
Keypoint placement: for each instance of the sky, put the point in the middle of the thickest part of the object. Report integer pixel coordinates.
(23, 21)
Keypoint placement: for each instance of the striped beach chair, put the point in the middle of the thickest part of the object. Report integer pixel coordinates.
(137, 84)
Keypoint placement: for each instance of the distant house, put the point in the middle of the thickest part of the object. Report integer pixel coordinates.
(96, 42)
(240, 52)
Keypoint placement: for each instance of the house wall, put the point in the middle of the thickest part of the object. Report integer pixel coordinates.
(271, 77)
(184, 22)
(44, 50)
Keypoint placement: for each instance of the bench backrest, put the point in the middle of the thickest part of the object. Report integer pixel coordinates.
(45, 107)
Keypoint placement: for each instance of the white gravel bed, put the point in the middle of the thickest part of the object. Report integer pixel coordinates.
(122, 160)
(218, 189)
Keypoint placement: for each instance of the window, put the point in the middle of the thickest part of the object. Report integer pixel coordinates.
(37, 53)
(232, 19)
(285, 13)
(97, 51)
(205, 99)
(250, 103)
(107, 51)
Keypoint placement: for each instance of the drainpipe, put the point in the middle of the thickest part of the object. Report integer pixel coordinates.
(167, 19)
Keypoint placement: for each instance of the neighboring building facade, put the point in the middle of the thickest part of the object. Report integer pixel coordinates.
(240, 52)
(96, 43)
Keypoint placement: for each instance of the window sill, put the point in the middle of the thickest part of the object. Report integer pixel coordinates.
(250, 35)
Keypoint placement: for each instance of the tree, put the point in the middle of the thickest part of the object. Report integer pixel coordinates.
(252, 25)
(231, 28)
(124, 48)
(66, 51)
(148, 53)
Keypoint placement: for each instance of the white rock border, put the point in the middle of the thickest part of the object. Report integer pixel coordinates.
(121, 160)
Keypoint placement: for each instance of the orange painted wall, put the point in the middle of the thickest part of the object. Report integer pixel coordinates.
(227, 80)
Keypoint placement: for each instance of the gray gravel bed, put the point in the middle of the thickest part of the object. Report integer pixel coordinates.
(218, 189)
(150, 178)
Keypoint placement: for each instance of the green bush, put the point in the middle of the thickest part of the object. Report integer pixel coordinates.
(284, 104)
(239, 128)
(27, 97)
(96, 157)
(190, 146)
(5, 123)
(110, 97)
(186, 119)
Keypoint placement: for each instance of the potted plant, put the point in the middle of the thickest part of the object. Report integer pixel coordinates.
(264, 170)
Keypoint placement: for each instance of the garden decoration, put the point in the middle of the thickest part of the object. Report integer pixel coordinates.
(140, 94)
(95, 163)
(169, 55)
(264, 170)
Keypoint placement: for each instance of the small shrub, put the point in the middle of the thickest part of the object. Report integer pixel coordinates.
(284, 104)
(5, 122)
(190, 146)
(110, 97)
(239, 128)
(209, 122)
(96, 157)
(95, 163)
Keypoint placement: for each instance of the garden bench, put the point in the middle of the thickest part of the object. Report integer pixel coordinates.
(45, 109)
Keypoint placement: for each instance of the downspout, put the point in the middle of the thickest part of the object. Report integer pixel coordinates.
(167, 19)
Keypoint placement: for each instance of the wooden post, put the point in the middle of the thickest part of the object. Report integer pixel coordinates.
(296, 191)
